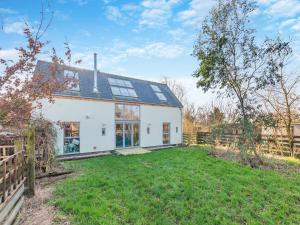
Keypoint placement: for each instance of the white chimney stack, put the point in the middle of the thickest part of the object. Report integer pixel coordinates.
(95, 89)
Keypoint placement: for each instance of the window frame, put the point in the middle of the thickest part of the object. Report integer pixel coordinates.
(127, 112)
(65, 137)
(166, 133)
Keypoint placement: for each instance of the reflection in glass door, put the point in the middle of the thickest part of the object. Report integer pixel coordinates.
(136, 134)
(127, 134)
(119, 135)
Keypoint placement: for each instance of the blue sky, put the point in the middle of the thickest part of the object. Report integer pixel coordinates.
(145, 39)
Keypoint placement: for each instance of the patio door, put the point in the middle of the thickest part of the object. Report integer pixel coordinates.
(127, 134)
(119, 135)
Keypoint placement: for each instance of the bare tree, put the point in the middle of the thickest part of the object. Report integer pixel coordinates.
(177, 88)
(282, 100)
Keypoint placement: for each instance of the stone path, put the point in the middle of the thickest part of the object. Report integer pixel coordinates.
(132, 151)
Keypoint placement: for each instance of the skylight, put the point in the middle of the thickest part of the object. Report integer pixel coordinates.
(127, 92)
(155, 88)
(72, 75)
(161, 96)
(158, 92)
(122, 88)
(119, 82)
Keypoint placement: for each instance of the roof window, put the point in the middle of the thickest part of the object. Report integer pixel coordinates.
(72, 75)
(158, 93)
(122, 88)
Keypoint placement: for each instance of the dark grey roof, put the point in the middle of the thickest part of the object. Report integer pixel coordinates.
(86, 78)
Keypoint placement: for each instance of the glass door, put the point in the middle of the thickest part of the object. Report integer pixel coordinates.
(128, 135)
(119, 135)
(136, 134)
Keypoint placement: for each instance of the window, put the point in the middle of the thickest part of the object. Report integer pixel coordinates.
(155, 88)
(103, 131)
(72, 75)
(161, 96)
(176, 129)
(127, 128)
(127, 92)
(148, 130)
(119, 82)
(71, 137)
(122, 88)
(166, 133)
(127, 112)
(158, 93)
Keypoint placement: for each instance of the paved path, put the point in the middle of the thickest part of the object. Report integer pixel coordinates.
(132, 151)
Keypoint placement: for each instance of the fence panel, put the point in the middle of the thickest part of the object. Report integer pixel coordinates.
(269, 144)
(12, 178)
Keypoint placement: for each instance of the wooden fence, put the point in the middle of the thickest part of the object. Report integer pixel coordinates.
(279, 145)
(12, 178)
(269, 144)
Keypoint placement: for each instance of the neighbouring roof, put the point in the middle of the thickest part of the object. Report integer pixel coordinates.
(143, 88)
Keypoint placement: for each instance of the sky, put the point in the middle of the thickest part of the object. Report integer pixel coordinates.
(148, 39)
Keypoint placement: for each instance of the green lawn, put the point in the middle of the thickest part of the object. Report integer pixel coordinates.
(176, 186)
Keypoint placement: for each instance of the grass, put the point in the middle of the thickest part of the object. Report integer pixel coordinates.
(176, 186)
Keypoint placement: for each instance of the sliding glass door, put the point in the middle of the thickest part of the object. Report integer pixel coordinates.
(119, 135)
(127, 134)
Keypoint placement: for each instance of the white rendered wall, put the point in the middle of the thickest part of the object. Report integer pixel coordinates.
(154, 117)
(93, 115)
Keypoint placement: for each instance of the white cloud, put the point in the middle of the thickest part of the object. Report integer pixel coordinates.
(157, 50)
(284, 8)
(287, 23)
(293, 24)
(8, 54)
(7, 11)
(130, 7)
(14, 27)
(112, 56)
(296, 26)
(196, 12)
(264, 2)
(156, 12)
(177, 34)
(113, 13)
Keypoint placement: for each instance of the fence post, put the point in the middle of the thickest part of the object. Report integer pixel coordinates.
(30, 150)
(18, 145)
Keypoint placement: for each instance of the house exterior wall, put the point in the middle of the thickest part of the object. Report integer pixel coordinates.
(154, 117)
(95, 115)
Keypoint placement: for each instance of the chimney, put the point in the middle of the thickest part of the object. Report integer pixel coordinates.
(95, 89)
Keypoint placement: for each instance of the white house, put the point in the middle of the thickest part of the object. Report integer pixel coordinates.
(106, 112)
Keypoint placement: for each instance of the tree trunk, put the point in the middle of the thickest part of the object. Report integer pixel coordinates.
(248, 137)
